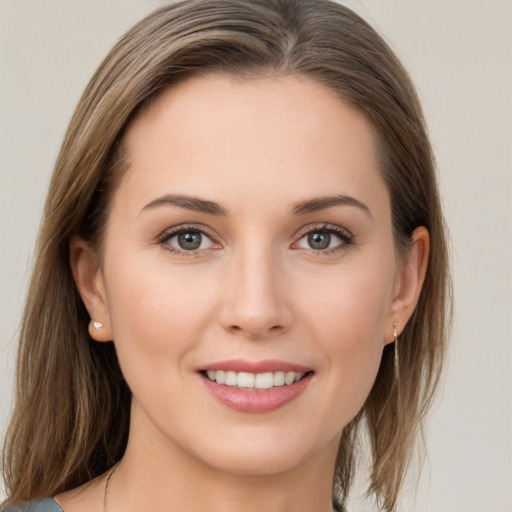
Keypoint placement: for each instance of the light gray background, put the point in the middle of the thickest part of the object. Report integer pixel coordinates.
(459, 53)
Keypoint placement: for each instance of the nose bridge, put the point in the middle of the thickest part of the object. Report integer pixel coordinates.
(255, 302)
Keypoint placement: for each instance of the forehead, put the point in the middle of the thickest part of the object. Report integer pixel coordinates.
(261, 136)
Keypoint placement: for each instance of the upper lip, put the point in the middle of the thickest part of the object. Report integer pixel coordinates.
(268, 365)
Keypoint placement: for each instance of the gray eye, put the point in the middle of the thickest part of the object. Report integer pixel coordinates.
(190, 240)
(319, 240)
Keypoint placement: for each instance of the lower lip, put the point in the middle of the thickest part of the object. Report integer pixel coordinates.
(257, 401)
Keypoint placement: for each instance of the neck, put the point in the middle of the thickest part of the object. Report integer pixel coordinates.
(158, 475)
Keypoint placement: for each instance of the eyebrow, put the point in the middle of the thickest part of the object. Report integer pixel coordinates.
(321, 203)
(188, 202)
(213, 208)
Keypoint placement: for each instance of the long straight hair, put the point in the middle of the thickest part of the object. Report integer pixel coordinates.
(71, 416)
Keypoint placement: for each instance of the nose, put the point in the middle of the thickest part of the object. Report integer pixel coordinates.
(255, 301)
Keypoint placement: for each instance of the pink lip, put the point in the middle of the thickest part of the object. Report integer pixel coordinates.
(269, 365)
(256, 401)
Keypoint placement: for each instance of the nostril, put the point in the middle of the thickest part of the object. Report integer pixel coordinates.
(253, 331)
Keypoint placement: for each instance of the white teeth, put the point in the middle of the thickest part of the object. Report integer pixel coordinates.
(264, 380)
(279, 378)
(231, 379)
(247, 380)
(289, 378)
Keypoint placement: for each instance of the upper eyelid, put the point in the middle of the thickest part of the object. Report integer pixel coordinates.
(323, 227)
(175, 230)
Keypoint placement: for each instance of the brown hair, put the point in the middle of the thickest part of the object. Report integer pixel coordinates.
(71, 415)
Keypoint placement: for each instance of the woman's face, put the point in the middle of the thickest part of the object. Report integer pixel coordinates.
(249, 242)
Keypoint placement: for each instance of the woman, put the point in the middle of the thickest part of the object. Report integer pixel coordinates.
(242, 268)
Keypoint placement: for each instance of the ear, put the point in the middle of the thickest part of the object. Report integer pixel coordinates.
(89, 281)
(409, 282)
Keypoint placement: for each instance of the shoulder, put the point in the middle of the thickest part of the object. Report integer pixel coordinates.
(47, 505)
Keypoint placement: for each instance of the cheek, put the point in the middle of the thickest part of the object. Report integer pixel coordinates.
(348, 305)
(347, 318)
(155, 313)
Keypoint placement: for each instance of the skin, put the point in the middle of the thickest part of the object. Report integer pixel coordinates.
(255, 290)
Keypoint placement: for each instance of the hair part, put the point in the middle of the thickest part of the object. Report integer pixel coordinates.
(72, 405)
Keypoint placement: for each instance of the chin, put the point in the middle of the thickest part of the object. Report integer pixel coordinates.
(266, 453)
(260, 463)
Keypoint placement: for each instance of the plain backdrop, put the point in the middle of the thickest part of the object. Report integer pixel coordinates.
(459, 53)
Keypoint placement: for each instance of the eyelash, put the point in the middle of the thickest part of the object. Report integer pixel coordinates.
(345, 236)
(168, 235)
(347, 239)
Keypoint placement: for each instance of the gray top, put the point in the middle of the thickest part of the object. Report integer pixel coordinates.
(47, 505)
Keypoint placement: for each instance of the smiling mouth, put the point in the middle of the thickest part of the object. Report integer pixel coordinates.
(254, 381)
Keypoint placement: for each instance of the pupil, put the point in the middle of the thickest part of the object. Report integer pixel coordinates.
(319, 240)
(189, 241)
